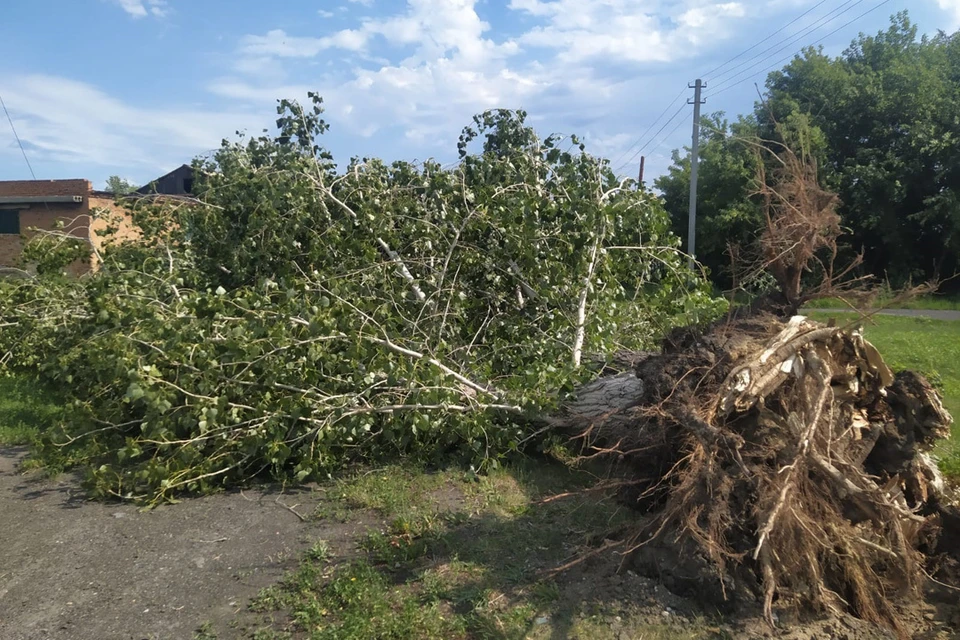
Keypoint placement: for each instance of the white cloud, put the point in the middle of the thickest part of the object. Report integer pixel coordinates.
(953, 8)
(70, 122)
(699, 17)
(143, 8)
(451, 71)
(277, 43)
(158, 8)
(570, 61)
(452, 66)
(625, 31)
(413, 72)
(134, 7)
(597, 67)
(434, 26)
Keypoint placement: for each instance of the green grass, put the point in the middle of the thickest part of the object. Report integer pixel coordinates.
(26, 410)
(462, 556)
(931, 302)
(931, 347)
(205, 632)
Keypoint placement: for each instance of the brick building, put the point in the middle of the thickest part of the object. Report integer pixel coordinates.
(45, 204)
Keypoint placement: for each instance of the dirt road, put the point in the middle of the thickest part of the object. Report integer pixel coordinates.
(74, 569)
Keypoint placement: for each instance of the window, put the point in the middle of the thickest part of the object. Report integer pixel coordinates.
(188, 185)
(9, 222)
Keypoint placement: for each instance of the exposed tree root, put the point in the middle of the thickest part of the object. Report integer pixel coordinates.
(781, 463)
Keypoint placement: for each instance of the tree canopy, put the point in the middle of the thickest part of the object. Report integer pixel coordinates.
(120, 186)
(886, 120)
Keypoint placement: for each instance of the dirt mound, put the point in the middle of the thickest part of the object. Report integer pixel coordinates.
(782, 463)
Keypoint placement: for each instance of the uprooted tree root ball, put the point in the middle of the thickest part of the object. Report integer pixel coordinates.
(781, 462)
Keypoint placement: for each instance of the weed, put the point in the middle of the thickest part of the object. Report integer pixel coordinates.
(205, 632)
(26, 410)
(319, 552)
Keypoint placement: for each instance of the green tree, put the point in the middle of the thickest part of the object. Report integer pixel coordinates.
(890, 110)
(120, 186)
(884, 119)
(727, 217)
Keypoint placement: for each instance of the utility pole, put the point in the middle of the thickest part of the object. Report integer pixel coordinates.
(694, 165)
(640, 179)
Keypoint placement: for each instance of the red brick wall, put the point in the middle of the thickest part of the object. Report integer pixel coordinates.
(44, 187)
(9, 250)
(75, 217)
(125, 227)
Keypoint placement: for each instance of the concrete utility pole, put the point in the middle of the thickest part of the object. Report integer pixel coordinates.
(694, 165)
(640, 179)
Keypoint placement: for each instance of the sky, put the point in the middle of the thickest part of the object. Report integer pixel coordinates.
(136, 88)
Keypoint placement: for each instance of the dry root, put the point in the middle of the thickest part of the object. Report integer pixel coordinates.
(781, 462)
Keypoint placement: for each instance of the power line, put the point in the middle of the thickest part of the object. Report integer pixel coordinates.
(672, 118)
(17, 136)
(710, 73)
(640, 150)
(640, 139)
(664, 139)
(729, 81)
(762, 57)
(650, 128)
(791, 56)
(773, 50)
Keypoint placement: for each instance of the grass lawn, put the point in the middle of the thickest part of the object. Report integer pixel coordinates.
(462, 556)
(931, 347)
(25, 410)
(931, 302)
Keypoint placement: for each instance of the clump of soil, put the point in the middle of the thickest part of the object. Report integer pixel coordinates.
(782, 463)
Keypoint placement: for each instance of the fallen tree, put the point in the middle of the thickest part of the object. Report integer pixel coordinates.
(295, 319)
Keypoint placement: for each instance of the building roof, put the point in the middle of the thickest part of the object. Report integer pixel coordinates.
(172, 183)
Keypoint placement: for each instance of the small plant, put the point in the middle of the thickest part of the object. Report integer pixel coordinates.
(319, 552)
(205, 632)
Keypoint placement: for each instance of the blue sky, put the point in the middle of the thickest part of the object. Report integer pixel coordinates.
(138, 87)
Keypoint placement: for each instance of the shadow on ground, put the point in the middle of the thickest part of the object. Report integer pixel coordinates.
(474, 557)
